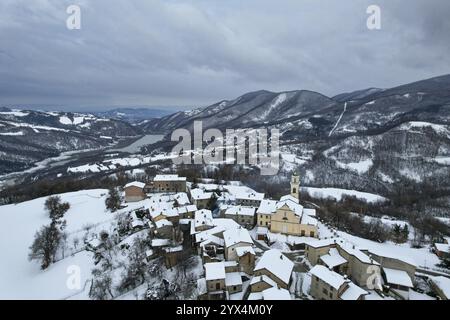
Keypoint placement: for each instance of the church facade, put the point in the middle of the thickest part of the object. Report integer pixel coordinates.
(287, 216)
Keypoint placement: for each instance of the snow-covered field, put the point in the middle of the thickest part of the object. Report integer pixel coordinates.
(335, 193)
(21, 279)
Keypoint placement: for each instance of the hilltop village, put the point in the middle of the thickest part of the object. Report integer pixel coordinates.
(236, 233)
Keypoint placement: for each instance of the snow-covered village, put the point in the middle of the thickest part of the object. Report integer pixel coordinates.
(169, 238)
(224, 158)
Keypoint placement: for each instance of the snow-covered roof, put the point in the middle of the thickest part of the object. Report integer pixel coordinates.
(230, 263)
(309, 212)
(203, 218)
(353, 292)
(220, 225)
(168, 177)
(262, 230)
(163, 223)
(238, 235)
(356, 252)
(191, 208)
(309, 220)
(241, 251)
(160, 242)
(212, 239)
(294, 206)
(173, 249)
(214, 270)
(185, 221)
(333, 258)
(398, 277)
(182, 198)
(199, 194)
(315, 243)
(276, 263)
(443, 247)
(289, 197)
(149, 253)
(244, 193)
(242, 211)
(95, 243)
(267, 207)
(263, 278)
(442, 283)
(276, 293)
(137, 184)
(332, 278)
(255, 296)
(233, 279)
(447, 240)
(137, 223)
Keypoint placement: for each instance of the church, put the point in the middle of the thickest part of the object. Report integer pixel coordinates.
(287, 216)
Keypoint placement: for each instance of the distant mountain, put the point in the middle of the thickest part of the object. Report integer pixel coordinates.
(29, 136)
(367, 139)
(133, 115)
(356, 95)
(305, 114)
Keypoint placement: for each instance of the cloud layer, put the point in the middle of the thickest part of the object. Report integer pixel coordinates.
(191, 53)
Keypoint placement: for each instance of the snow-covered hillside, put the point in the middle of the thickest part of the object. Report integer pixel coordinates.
(22, 279)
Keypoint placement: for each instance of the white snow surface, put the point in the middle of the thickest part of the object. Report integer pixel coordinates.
(337, 194)
(22, 279)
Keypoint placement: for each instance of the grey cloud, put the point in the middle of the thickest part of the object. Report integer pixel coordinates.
(191, 53)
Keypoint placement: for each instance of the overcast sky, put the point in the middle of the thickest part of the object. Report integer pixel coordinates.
(194, 53)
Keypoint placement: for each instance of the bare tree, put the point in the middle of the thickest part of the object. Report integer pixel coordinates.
(45, 245)
(101, 286)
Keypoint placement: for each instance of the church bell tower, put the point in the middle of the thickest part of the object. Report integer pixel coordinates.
(295, 185)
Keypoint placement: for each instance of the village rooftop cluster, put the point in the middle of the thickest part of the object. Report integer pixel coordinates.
(232, 227)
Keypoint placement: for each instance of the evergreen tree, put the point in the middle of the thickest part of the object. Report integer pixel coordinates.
(405, 233)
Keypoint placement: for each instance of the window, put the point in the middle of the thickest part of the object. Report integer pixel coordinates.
(267, 223)
(331, 295)
(325, 291)
(294, 190)
(302, 233)
(217, 286)
(311, 234)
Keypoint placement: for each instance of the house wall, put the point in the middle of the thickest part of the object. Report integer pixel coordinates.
(395, 264)
(175, 219)
(230, 252)
(160, 217)
(231, 269)
(243, 220)
(263, 220)
(259, 286)
(266, 272)
(169, 186)
(247, 263)
(201, 204)
(164, 232)
(313, 254)
(215, 285)
(189, 215)
(321, 290)
(234, 289)
(134, 194)
(248, 203)
(357, 270)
